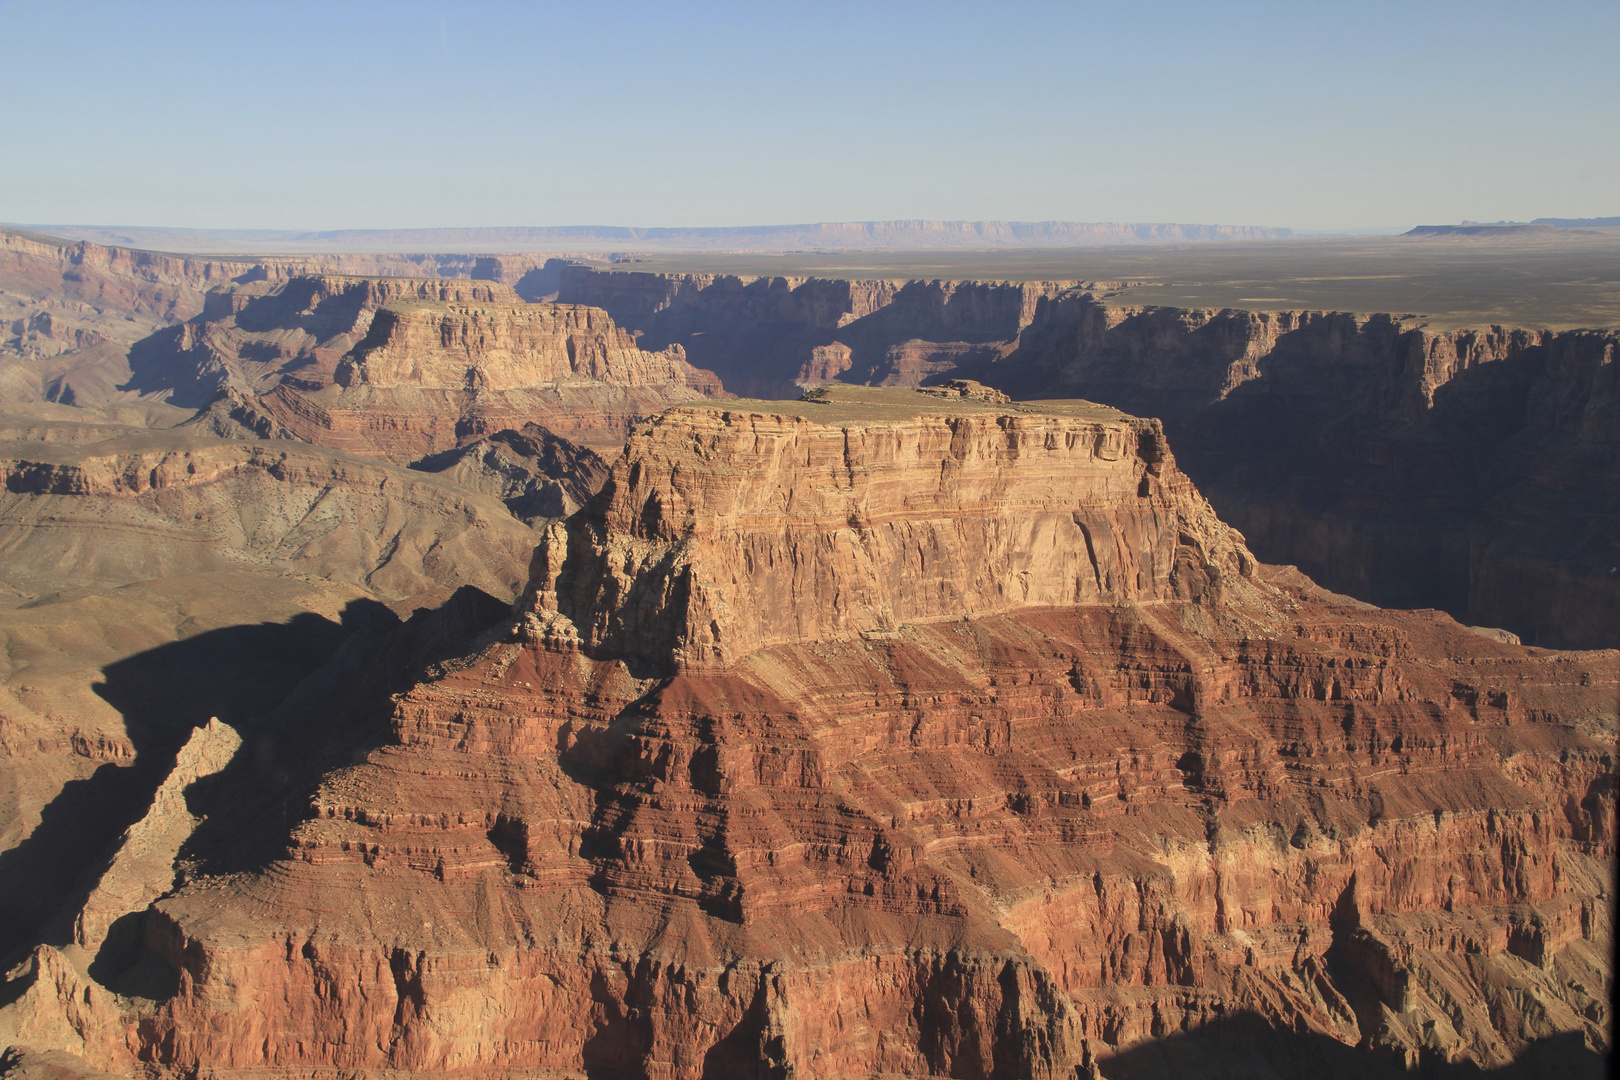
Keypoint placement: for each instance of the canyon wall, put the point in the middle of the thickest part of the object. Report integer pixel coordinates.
(770, 336)
(1470, 470)
(506, 347)
(401, 368)
(807, 840)
(154, 580)
(71, 310)
(794, 523)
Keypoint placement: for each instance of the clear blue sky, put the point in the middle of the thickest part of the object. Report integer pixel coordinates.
(382, 115)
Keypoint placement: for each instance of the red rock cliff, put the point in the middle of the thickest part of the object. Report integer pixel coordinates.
(1027, 842)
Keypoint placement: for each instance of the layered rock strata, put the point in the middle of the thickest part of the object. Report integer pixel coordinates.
(770, 336)
(506, 347)
(71, 310)
(164, 505)
(431, 377)
(1467, 469)
(669, 828)
(723, 530)
(537, 474)
(1472, 470)
(255, 336)
(401, 368)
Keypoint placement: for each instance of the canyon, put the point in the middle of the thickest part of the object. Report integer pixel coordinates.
(1020, 817)
(428, 664)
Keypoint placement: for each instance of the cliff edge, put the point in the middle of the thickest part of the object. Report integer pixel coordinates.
(727, 527)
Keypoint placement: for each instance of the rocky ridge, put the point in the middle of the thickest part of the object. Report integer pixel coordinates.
(165, 505)
(536, 474)
(656, 832)
(400, 368)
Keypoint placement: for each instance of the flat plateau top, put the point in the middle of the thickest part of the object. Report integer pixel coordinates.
(838, 404)
(1563, 280)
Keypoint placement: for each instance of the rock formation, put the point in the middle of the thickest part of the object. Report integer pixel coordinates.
(788, 527)
(400, 368)
(748, 790)
(769, 336)
(142, 869)
(163, 505)
(84, 304)
(1470, 470)
(535, 473)
(154, 577)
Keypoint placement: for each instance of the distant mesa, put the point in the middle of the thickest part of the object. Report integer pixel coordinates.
(1514, 228)
(838, 235)
(1579, 222)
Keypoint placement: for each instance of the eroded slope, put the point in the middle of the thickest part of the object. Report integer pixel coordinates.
(811, 840)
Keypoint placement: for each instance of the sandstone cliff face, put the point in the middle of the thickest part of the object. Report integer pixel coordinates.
(820, 843)
(401, 368)
(254, 337)
(728, 528)
(61, 298)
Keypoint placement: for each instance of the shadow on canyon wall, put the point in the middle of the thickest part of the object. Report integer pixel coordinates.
(1245, 1046)
(1477, 474)
(305, 695)
(1475, 471)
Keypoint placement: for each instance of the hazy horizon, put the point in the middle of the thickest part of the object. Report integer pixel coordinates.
(408, 115)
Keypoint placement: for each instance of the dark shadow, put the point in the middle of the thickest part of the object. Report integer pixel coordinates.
(164, 361)
(306, 696)
(1245, 1045)
(746, 1053)
(541, 283)
(335, 717)
(1498, 501)
(617, 1050)
(233, 673)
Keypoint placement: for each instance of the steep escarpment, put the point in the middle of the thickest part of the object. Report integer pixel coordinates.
(770, 336)
(852, 513)
(87, 303)
(263, 334)
(400, 368)
(1030, 838)
(1470, 470)
(431, 377)
(506, 347)
(70, 311)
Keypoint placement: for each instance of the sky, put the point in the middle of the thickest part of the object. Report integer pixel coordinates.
(1314, 116)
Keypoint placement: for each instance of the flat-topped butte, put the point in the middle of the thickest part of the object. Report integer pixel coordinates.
(844, 404)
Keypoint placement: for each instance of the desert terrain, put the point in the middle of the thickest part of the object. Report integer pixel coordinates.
(641, 656)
